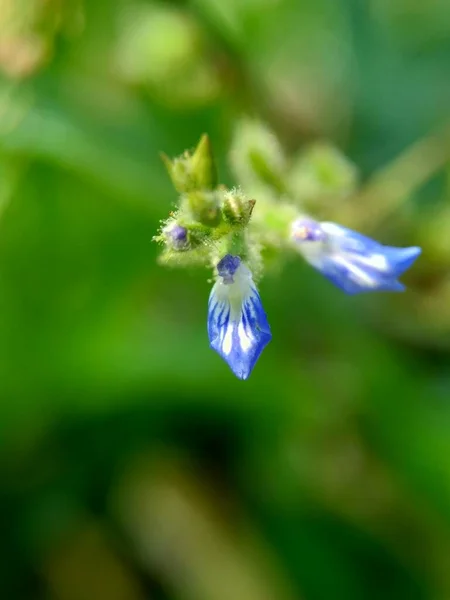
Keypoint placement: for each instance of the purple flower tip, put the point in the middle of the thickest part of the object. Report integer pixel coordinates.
(227, 267)
(178, 237)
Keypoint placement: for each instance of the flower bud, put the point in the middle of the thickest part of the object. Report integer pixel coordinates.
(177, 237)
(236, 208)
(321, 175)
(193, 170)
(203, 168)
(257, 157)
(204, 207)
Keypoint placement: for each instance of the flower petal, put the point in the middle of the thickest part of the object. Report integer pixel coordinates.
(237, 324)
(352, 261)
(353, 278)
(349, 240)
(400, 259)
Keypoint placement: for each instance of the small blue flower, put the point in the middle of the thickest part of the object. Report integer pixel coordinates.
(237, 324)
(353, 262)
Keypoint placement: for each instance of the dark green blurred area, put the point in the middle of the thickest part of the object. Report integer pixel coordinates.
(133, 465)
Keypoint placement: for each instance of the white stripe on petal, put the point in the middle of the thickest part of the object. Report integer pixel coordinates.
(245, 337)
(374, 261)
(227, 339)
(355, 272)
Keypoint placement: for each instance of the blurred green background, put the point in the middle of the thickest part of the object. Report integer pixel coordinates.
(133, 465)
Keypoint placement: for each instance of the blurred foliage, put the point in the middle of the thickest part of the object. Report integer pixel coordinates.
(132, 464)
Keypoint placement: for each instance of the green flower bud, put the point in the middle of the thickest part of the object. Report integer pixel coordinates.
(204, 206)
(236, 208)
(203, 167)
(257, 157)
(193, 170)
(179, 172)
(185, 243)
(320, 175)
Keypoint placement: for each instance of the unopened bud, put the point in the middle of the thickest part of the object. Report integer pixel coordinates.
(177, 237)
(236, 208)
(203, 168)
(257, 157)
(322, 175)
(204, 207)
(193, 171)
(179, 172)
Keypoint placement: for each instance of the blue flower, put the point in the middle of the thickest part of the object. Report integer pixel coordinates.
(237, 324)
(353, 262)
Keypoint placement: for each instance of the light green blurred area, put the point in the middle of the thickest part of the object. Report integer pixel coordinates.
(132, 464)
